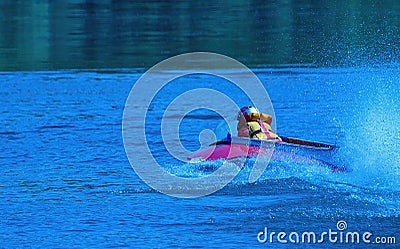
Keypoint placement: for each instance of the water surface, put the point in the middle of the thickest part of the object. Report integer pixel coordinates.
(47, 35)
(66, 181)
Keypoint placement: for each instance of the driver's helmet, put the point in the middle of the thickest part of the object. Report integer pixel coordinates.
(250, 113)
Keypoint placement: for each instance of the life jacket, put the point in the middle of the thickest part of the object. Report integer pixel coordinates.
(260, 130)
(257, 127)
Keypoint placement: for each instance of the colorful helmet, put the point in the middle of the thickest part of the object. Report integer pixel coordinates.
(248, 112)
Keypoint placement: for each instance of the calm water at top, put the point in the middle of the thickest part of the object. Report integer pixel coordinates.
(47, 35)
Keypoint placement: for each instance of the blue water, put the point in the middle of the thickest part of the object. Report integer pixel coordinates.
(66, 181)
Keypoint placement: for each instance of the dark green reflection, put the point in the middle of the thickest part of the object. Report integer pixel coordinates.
(47, 35)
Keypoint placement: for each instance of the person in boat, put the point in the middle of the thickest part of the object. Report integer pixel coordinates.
(255, 125)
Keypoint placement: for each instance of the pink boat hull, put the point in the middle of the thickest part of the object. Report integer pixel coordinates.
(227, 151)
(231, 151)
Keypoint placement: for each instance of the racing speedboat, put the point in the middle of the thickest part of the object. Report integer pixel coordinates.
(286, 149)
